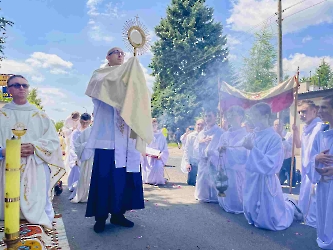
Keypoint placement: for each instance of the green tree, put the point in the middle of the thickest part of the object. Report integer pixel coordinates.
(3, 24)
(59, 125)
(188, 58)
(259, 67)
(323, 76)
(33, 98)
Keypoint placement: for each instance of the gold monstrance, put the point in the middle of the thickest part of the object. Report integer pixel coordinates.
(136, 36)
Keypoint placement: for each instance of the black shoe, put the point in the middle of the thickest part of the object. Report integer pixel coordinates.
(99, 226)
(120, 220)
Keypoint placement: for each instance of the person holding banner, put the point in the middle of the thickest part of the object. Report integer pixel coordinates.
(307, 110)
(264, 203)
(322, 175)
(153, 163)
(41, 158)
(287, 141)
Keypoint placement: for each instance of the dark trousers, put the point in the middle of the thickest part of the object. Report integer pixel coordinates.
(285, 172)
(192, 176)
(112, 190)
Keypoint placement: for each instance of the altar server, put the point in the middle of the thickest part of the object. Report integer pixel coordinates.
(313, 124)
(189, 162)
(153, 166)
(231, 156)
(322, 173)
(74, 162)
(264, 204)
(207, 141)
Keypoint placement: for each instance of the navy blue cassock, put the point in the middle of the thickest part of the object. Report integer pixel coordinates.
(112, 190)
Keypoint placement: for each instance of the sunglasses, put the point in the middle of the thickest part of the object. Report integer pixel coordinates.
(117, 52)
(18, 86)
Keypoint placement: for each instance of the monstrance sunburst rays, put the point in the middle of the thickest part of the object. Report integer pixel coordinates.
(136, 36)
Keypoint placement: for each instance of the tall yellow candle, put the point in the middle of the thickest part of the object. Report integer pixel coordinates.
(12, 189)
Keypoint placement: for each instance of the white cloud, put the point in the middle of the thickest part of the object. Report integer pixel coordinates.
(305, 63)
(33, 66)
(37, 78)
(245, 14)
(306, 39)
(58, 71)
(50, 96)
(100, 21)
(232, 42)
(44, 60)
(232, 57)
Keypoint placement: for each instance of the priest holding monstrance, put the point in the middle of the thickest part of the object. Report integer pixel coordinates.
(122, 128)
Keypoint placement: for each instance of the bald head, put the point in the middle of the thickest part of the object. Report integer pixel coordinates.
(115, 56)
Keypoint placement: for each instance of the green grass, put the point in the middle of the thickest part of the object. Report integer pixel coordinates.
(172, 145)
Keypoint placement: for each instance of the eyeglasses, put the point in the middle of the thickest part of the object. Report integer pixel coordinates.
(18, 85)
(302, 112)
(119, 53)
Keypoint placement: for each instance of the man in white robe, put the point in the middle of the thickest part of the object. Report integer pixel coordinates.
(264, 203)
(85, 159)
(71, 123)
(189, 164)
(153, 166)
(74, 174)
(231, 156)
(307, 196)
(322, 173)
(41, 159)
(207, 142)
(122, 129)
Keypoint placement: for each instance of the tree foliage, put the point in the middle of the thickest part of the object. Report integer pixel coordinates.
(188, 58)
(59, 125)
(259, 67)
(3, 24)
(323, 76)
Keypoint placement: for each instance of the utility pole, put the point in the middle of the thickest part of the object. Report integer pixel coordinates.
(280, 67)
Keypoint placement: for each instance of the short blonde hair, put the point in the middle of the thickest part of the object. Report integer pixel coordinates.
(154, 120)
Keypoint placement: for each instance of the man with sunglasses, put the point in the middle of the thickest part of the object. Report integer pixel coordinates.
(308, 112)
(41, 157)
(122, 129)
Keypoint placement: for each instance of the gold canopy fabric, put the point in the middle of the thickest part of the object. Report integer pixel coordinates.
(124, 88)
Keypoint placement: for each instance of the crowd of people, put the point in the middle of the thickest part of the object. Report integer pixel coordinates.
(240, 164)
(254, 158)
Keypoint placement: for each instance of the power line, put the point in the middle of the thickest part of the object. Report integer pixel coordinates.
(305, 9)
(294, 5)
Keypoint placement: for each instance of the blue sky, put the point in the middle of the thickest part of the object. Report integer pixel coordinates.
(57, 44)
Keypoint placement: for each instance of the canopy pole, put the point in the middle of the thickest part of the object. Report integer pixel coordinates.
(219, 91)
(294, 136)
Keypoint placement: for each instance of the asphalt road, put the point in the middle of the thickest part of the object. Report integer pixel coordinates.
(173, 219)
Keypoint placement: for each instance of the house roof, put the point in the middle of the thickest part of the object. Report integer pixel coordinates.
(315, 94)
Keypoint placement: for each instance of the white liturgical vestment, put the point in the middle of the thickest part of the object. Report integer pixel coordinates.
(40, 171)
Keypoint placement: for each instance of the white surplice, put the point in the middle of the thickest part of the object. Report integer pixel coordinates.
(152, 168)
(234, 160)
(322, 142)
(69, 126)
(110, 129)
(264, 203)
(205, 189)
(74, 170)
(85, 159)
(307, 194)
(40, 171)
(188, 155)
